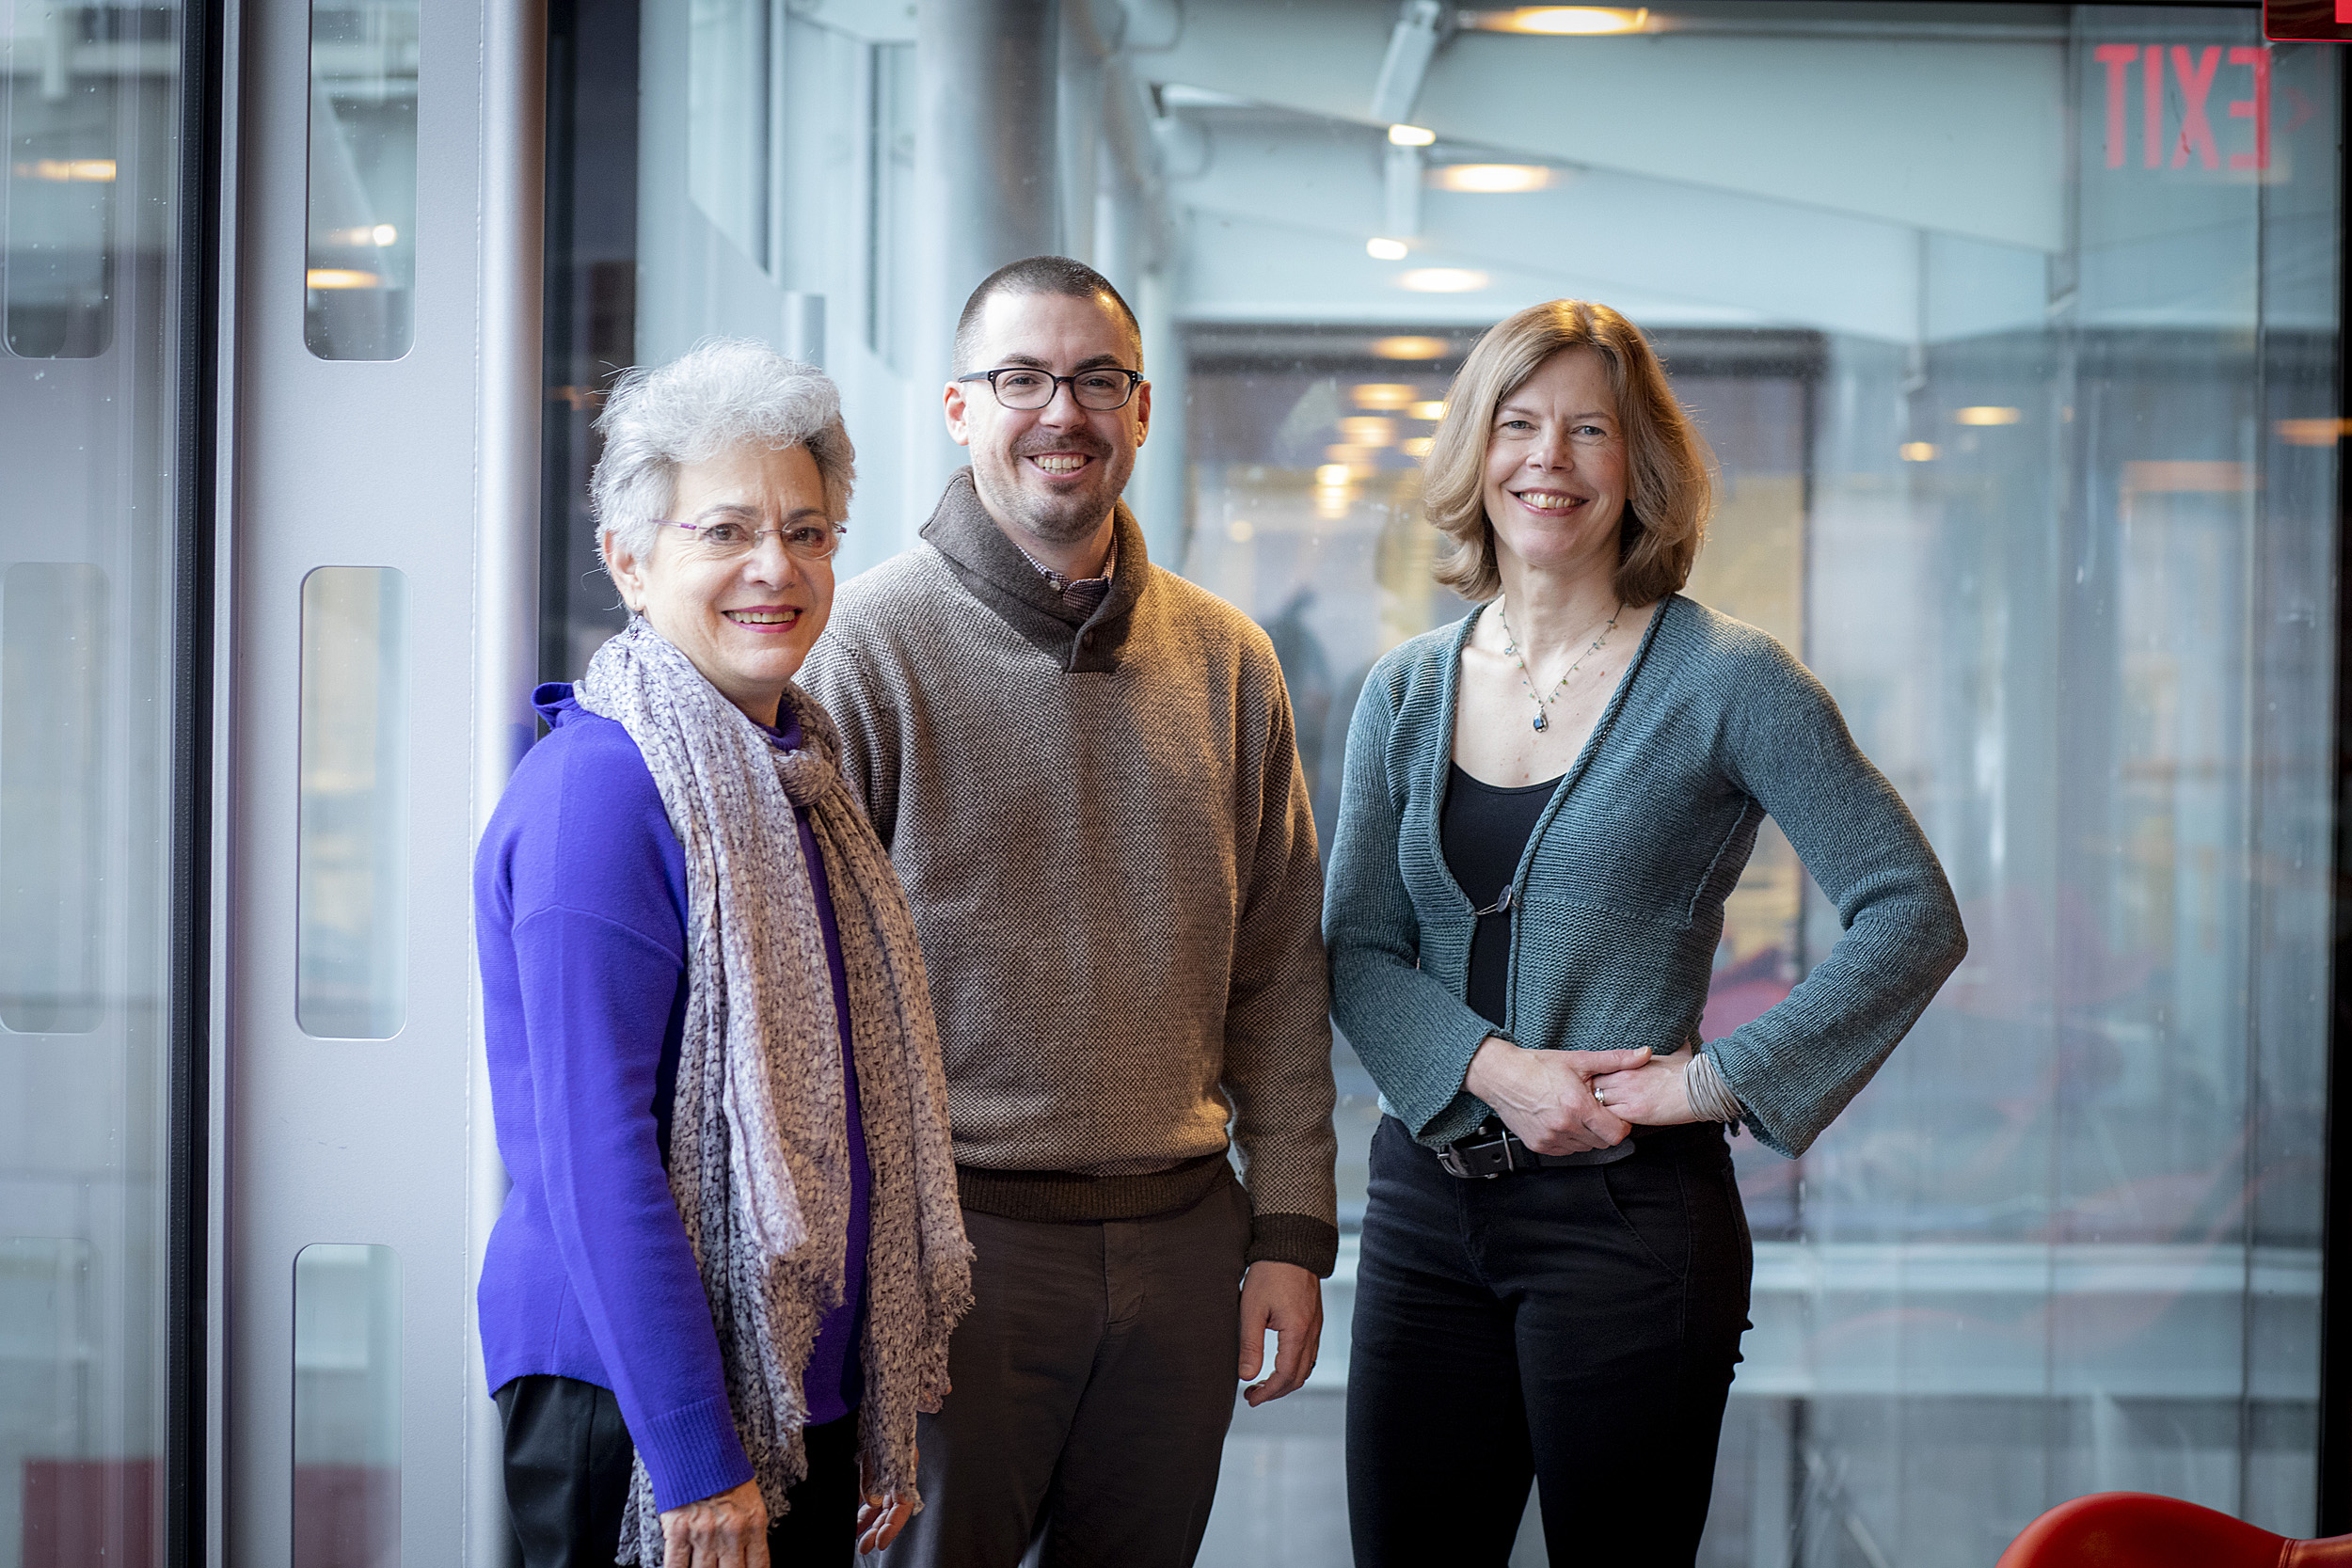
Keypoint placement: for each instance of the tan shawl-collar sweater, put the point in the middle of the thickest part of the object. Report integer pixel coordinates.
(1105, 833)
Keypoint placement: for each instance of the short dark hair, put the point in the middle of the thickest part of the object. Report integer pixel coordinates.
(1040, 275)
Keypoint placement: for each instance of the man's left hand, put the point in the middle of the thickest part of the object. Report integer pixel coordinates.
(1289, 1300)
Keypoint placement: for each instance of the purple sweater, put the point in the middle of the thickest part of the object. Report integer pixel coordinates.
(579, 911)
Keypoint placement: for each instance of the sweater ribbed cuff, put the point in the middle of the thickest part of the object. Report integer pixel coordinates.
(1059, 1197)
(693, 1452)
(1311, 1243)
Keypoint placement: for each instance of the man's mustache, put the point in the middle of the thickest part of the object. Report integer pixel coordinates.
(1091, 446)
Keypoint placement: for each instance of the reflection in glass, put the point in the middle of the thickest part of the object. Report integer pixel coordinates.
(59, 127)
(346, 1413)
(351, 940)
(359, 271)
(727, 120)
(54, 640)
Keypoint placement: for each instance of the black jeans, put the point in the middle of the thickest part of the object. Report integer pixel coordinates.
(568, 1462)
(1577, 1326)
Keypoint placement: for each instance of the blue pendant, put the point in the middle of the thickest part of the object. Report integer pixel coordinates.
(1542, 723)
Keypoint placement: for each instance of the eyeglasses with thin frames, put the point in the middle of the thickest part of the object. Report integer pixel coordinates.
(731, 540)
(1026, 387)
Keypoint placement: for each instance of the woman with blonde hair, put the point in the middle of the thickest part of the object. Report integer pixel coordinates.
(1544, 806)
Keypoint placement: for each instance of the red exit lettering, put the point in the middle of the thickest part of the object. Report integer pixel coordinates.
(2192, 69)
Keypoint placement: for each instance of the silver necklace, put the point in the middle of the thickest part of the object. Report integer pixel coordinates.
(1511, 646)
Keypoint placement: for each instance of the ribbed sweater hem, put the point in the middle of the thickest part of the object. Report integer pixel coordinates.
(691, 1453)
(1060, 1196)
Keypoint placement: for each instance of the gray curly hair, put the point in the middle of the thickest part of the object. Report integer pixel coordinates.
(723, 392)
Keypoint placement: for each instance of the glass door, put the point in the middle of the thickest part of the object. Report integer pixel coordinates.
(103, 639)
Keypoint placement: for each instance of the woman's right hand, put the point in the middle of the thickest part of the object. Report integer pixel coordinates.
(1545, 1096)
(727, 1530)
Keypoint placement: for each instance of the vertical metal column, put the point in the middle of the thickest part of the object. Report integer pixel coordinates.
(506, 604)
(986, 164)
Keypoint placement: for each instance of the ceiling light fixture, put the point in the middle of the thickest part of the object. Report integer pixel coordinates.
(1918, 452)
(1332, 475)
(1559, 21)
(1408, 348)
(1411, 135)
(1385, 250)
(1986, 414)
(1382, 394)
(1443, 280)
(1432, 411)
(341, 278)
(1493, 179)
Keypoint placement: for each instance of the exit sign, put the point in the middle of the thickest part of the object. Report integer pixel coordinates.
(2323, 21)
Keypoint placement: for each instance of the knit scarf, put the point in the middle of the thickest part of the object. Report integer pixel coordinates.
(758, 1144)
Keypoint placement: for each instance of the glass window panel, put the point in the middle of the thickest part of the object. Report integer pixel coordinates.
(727, 119)
(346, 1413)
(91, 289)
(59, 122)
(358, 285)
(54, 639)
(2026, 419)
(351, 936)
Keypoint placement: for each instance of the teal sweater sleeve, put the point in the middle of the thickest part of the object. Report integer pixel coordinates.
(1796, 1066)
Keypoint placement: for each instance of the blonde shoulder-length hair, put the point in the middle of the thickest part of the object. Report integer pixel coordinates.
(1670, 488)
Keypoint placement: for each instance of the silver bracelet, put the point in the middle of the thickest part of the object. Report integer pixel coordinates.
(1711, 1099)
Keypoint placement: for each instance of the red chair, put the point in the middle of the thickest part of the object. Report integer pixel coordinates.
(2132, 1530)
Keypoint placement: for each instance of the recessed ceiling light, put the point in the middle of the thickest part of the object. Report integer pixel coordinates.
(1411, 135)
(1443, 280)
(1918, 452)
(1368, 430)
(1493, 179)
(1385, 250)
(1557, 19)
(1408, 348)
(341, 278)
(1433, 410)
(1331, 474)
(1985, 414)
(1382, 394)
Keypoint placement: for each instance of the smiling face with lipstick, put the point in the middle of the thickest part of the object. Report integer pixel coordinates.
(741, 581)
(1049, 476)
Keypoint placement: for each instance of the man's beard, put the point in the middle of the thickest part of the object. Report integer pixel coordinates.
(1060, 519)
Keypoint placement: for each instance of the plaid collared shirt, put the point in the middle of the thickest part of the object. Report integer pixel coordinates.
(1081, 597)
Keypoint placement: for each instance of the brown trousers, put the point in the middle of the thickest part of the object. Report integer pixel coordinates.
(1093, 1381)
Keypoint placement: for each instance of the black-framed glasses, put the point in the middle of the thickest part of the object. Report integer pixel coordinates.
(729, 540)
(1023, 387)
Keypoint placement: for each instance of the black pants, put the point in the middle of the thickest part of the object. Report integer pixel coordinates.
(1578, 1326)
(568, 1462)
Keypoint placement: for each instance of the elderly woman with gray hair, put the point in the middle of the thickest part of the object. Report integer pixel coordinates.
(726, 1277)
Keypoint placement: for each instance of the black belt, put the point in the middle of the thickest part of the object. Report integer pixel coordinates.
(1496, 1151)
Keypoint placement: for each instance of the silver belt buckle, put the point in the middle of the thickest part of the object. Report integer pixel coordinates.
(1450, 1161)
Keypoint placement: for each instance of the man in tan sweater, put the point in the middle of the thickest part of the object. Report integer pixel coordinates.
(1085, 770)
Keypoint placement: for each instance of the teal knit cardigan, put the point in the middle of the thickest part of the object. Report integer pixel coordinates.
(1618, 900)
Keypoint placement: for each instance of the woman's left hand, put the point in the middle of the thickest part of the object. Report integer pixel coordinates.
(1651, 1095)
(880, 1515)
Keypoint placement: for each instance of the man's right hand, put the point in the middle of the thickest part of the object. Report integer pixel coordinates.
(729, 1530)
(1545, 1096)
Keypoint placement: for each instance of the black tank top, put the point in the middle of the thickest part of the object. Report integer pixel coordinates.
(1483, 831)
